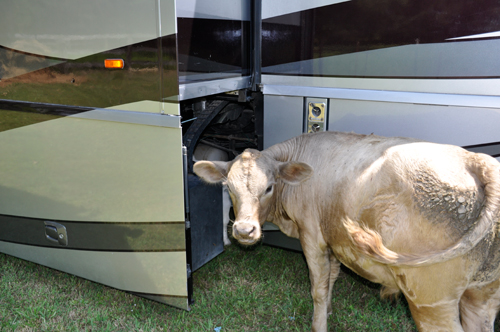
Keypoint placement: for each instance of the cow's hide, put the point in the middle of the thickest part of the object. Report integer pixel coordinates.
(417, 217)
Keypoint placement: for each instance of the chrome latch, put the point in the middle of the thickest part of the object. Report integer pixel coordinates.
(56, 233)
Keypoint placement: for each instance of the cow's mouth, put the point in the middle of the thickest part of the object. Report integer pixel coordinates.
(248, 242)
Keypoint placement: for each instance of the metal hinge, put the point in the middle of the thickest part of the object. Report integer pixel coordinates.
(188, 270)
(188, 224)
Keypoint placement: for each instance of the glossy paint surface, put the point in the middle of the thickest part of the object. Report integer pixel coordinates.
(113, 179)
(72, 29)
(92, 170)
(54, 51)
(157, 275)
(115, 186)
(86, 82)
(213, 44)
(211, 49)
(385, 39)
(87, 147)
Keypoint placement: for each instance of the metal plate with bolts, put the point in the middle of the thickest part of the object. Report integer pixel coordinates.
(316, 115)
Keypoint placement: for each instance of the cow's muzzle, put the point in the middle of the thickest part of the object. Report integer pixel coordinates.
(246, 232)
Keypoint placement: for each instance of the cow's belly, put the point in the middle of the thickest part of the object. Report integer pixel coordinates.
(366, 268)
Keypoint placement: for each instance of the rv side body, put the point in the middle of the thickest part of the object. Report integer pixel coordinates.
(96, 169)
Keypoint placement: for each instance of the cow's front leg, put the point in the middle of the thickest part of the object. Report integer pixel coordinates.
(318, 261)
(334, 274)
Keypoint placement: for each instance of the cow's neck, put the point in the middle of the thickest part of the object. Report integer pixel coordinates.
(283, 152)
(279, 216)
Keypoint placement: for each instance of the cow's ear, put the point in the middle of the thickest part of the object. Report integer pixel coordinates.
(295, 172)
(211, 171)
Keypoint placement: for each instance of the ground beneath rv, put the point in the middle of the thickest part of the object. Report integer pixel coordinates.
(257, 289)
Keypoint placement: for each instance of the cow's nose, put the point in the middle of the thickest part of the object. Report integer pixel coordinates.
(244, 230)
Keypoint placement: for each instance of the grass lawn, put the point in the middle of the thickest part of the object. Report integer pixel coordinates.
(258, 289)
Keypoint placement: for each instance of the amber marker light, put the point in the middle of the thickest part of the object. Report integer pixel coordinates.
(114, 63)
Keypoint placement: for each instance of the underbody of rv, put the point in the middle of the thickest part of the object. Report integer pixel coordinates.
(105, 105)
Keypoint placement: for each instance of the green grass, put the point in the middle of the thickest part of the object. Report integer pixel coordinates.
(258, 289)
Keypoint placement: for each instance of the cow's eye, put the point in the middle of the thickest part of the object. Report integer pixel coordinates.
(269, 189)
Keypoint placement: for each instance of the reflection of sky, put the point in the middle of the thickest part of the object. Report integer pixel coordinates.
(214, 9)
(229, 35)
(272, 8)
(14, 64)
(81, 37)
(71, 29)
(441, 124)
(275, 35)
(72, 46)
(460, 59)
(495, 34)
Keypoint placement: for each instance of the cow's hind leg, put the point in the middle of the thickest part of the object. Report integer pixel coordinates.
(479, 306)
(439, 317)
(433, 294)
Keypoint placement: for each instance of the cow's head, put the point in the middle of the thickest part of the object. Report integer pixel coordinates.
(251, 179)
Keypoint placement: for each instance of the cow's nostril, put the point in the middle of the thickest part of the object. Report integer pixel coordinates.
(247, 230)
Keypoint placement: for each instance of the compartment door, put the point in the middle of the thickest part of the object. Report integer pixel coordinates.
(99, 195)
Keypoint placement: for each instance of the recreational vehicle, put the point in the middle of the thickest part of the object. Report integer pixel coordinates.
(105, 104)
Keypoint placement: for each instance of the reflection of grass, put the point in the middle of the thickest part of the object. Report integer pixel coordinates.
(135, 56)
(14, 119)
(98, 88)
(164, 236)
(142, 56)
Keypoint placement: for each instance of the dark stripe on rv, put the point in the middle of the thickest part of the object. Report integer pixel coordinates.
(493, 149)
(97, 236)
(16, 114)
(360, 26)
(42, 108)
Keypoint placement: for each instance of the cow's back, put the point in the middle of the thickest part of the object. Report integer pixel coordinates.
(354, 170)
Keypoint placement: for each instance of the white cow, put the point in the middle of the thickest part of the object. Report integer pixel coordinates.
(417, 217)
